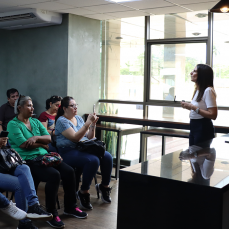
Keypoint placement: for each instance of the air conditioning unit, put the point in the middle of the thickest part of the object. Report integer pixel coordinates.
(29, 18)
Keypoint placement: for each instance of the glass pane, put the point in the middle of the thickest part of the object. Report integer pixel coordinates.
(221, 57)
(177, 114)
(122, 54)
(123, 110)
(190, 24)
(171, 65)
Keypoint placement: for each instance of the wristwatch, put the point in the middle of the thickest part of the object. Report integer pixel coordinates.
(197, 110)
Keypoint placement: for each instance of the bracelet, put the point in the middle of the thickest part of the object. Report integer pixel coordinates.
(93, 126)
(86, 127)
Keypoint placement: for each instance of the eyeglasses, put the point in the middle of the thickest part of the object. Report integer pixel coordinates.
(73, 106)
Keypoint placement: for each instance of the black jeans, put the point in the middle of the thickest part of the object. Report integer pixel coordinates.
(201, 130)
(52, 176)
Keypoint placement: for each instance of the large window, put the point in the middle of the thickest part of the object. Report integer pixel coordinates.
(221, 57)
(190, 24)
(122, 70)
(171, 65)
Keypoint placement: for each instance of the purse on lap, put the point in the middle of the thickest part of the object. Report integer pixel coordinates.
(9, 160)
(95, 147)
(51, 159)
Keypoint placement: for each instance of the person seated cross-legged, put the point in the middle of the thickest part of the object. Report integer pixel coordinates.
(20, 182)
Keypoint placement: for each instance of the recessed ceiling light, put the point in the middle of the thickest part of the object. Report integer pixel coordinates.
(226, 42)
(118, 38)
(201, 15)
(196, 34)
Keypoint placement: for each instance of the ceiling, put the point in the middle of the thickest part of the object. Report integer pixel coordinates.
(109, 9)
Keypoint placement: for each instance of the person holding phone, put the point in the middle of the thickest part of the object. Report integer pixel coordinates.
(70, 129)
(203, 107)
(20, 182)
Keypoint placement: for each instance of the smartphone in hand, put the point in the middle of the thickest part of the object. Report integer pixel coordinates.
(93, 108)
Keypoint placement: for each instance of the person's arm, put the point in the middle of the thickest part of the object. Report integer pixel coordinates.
(45, 124)
(25, 145)
(210, 113)
(91, 132)
(44, 140)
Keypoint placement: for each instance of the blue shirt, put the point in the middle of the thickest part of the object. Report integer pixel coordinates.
(63, 124)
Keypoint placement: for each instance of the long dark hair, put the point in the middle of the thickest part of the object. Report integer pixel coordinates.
(64, 103)
(52, 99)
(204, 79)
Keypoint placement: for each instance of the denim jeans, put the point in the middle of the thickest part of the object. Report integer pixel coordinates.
(4, 202)
(21, 183)
(88, 164)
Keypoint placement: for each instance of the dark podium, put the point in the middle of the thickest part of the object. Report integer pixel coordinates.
(166, 193)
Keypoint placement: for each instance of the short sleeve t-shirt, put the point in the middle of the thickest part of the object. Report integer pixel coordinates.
(19, 133)
(50, 119)
(63, 124)
(6, 114)
(208, 101)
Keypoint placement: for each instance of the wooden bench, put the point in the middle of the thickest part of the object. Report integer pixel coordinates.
(164, 132)
(121, 130)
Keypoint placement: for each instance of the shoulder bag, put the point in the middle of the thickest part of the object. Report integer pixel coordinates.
(95, 147)
(9, 160)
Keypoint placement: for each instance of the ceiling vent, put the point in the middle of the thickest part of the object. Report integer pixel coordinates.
(29, 18)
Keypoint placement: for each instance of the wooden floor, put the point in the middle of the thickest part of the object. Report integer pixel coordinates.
(103, 216)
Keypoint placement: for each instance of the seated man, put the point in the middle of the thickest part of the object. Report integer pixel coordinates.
(7, 109)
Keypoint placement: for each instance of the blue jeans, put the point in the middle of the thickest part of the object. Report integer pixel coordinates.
(88, 164)
(4, 202)
(21, 183)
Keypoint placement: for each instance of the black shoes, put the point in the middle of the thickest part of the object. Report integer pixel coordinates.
(35, 212)
(56, 222)
(76, 212)
(105, 192)
(27, 225)
(84, 200)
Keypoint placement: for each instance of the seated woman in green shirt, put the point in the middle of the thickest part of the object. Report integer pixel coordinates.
(30, 139)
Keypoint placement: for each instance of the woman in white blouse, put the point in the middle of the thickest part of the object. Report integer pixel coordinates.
(203, 107)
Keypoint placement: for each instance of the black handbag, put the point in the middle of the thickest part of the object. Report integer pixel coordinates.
(9, 160)
(95, 147)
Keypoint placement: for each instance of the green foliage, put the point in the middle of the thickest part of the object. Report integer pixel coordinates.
(221, 71)
(138, 64)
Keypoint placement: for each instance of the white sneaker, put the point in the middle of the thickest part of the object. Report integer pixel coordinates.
(14, 212)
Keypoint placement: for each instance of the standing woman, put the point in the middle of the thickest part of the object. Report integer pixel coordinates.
(203, 107)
